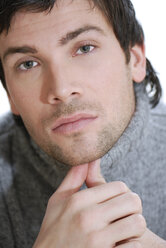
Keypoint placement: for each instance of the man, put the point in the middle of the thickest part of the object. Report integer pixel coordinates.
(76, 77)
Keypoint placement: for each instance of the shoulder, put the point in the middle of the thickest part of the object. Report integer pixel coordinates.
(7, 132)
(7, 124)
(158, 117)
(156, 128)
(6, 178)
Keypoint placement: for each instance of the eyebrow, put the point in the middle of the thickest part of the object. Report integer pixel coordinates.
(63, 41)
(72, 35)
(22, 49)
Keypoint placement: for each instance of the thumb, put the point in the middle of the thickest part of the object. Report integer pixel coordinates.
(94, 176)
(73, 181)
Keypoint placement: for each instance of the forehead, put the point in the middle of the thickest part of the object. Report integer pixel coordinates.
(65, 15)
(62, 9)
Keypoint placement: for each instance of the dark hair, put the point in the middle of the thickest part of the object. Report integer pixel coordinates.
(119, 13)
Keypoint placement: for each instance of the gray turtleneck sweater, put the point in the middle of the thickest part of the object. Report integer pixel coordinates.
(28, 177)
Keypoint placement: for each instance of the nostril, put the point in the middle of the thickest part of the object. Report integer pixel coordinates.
(56, 99)
(62, 97)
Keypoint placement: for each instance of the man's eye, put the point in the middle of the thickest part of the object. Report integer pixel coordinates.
(27, 65)
(85, 49)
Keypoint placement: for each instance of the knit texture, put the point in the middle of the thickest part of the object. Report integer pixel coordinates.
(28, 176)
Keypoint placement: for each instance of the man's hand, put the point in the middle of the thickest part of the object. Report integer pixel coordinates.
(104, 215)
(151, 240)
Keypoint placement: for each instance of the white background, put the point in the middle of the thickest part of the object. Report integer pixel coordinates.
(152, 16)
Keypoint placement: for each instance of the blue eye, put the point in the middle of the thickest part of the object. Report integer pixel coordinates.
(85, 49)
(28, 65)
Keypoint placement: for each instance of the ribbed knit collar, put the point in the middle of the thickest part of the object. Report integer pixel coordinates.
(54, 172)
(131, 138)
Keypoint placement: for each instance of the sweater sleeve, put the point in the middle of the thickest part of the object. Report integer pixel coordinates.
(6, 236)
(12, 233)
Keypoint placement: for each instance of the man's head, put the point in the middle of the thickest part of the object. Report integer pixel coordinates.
(69, 72)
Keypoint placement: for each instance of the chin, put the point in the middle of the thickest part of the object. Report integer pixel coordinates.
(81, 150)
(75, 159)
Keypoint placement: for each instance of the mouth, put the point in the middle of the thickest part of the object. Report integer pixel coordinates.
(73, 124)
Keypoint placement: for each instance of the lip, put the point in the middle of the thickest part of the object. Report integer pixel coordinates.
(73, 123)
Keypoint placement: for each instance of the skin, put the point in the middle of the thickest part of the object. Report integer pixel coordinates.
(91, 218)
(65, 80)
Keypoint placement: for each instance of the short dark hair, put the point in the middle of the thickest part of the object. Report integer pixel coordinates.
(119, 13)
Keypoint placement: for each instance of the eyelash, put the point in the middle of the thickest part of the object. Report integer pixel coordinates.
(85, 45)
(23, 64)
(76, 54)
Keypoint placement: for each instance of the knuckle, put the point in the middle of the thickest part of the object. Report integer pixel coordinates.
(73, 202)
(135, 201)
(92, 241)
(140, 223)
(82, 219)
(136, 244)
(122, 186)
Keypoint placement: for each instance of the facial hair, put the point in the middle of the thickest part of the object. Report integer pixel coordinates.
(84, 147)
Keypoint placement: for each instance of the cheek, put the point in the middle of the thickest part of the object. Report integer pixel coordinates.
(102, 72)
(108, 81)
(25, 100)
(114, 87)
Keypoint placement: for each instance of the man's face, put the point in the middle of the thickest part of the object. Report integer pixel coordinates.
(67, 78)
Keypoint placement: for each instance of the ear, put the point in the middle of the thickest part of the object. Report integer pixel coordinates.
(138, 63)
(12, 105)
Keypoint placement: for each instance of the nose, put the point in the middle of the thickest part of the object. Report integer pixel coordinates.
(62, 85)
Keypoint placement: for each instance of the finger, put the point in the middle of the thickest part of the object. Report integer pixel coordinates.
(101, 193)
(119, 207)
(130, 227)
(99, 216)
(130, 244)
(94, 176)
(73, 180)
